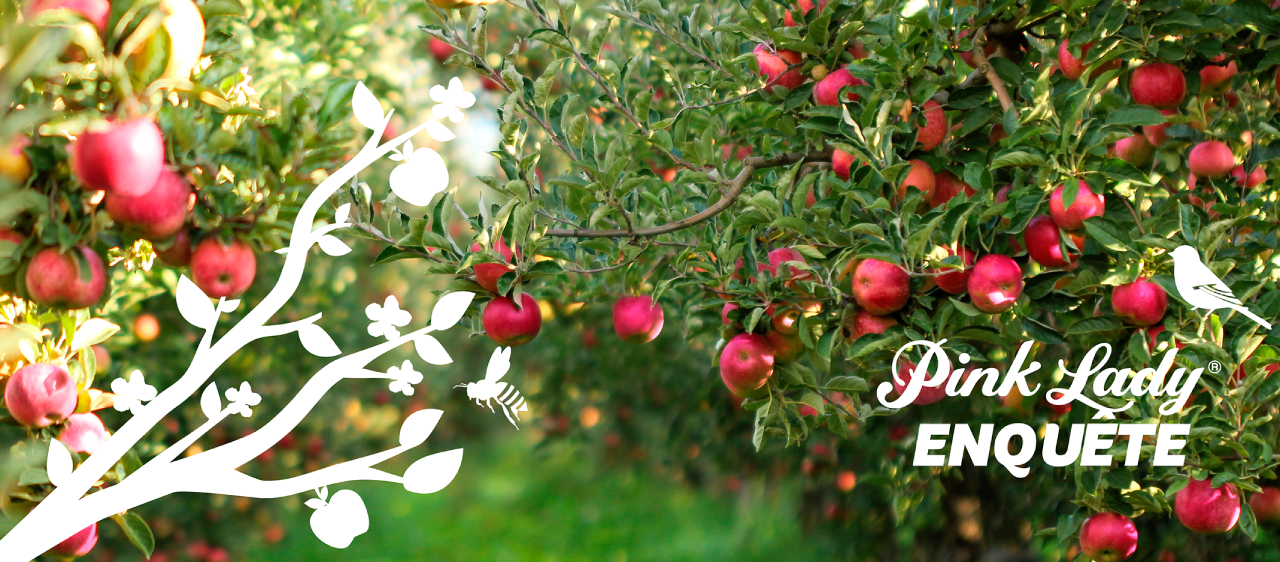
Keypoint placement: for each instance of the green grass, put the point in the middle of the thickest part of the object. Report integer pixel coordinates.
(510, 503)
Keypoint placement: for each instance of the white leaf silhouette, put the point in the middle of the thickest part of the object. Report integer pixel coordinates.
(417, 427)
(430, 350)
(194, 305)
(332, 246)
(343, 212)
(366, 107)
(407, 149)
(58, 465)
(440, 132)
(317, 341)
(210, 402)
(228, 306)
(431, 474)
(314, 503)
(449, 309)
(283, 251)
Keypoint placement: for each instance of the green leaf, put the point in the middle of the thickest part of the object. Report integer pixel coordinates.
(553, 38)
(137, 531)
(847, 384)
(1133, 115)
(1017, 158)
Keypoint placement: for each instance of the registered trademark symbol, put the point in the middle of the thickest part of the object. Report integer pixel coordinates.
(1215, 366)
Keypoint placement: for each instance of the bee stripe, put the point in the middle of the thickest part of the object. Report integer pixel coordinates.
(508, 393)
(512, 399)
(520, 407)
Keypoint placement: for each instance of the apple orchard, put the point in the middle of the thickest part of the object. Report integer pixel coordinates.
(713, 230)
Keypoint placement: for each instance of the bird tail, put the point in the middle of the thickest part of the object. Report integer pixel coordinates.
(1255, 318)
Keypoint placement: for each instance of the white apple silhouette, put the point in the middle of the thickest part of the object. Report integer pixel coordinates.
(422, 175)
(339, 521)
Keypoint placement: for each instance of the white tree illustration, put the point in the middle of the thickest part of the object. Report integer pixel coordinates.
(70, 507)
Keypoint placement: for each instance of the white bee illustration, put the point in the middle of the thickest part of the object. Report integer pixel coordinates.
(508, 397)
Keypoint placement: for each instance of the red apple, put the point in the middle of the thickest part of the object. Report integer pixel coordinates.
(1157, 135)
(637, 319)
(956, 281)
(511, 326)
(935, 126)
(1214, 79)
(864, 323)
(1141, 302)
(1158, 84)
(1211, 159)
(14, 164)
(440, 49)
(786, 347)
(724, 312)
(967, 56)
(995, 283)
(1086, 204)
(841, 163)
(881, 287)
(1108, 537)
(1153, 333)
(487, 274)
(805, 6)
(927, 395)
(155, 215)
(746, 363)
(1205, 509)
(921, 177)
(1136, 150)
(859, 49)
(78, 544)
(83, 433)
(774, 66)
(96, 11)
(1042, 237)
(782, 255)
(1266, 505)
(826, 91)
(946, 187)
(176, 252)
(786, 321)
(996, 135)
(125, 158)
(58, 280)
(40, 394)
(1256, 177)
(1072, 68)
(223, 271)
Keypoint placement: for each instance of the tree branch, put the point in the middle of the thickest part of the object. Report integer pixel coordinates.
(750, 165)
(984, 66)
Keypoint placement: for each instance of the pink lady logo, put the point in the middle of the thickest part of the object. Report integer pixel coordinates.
(1087, 443)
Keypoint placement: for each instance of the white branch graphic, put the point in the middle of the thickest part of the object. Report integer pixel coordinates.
(77, 502)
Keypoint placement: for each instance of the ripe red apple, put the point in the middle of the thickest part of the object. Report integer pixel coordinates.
(864, 323)
(637, 319)
(786, 321)
(1205, 509)
(995, 283)
(1086, 204)
(14, 164)
(1256, 177)
(83, 433)
(125, 158)
(859, 49)
(774, 66)
(96, 11)
(1211, 159)
(1141, 302)
(935, 126)
(956, 281)
(40, 394)
(440, 49)
(58, 280)
(1266, 505)
(487, 274)
(782, 255)
(996, 135)
(1041, 238)
(1157, 135)
(1136, 150)
(928, 395)
(841, 163)
(946, 187)
(1071, 67)
(511, 326)
(78, 544)
(155, 215)
(746, 363)
(786, 347)
(724, 312)
(881, 287)
(223, 271)
(826, 91)
(177, 251)
(1153, 332)
(1214, 78)
(921, 177)
(11, 236)
(1158, 84)
(967, 56)
(1108, 537)
(805, 6)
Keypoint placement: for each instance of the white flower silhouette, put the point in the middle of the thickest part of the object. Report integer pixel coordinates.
(241, 399)
(130, 394)
(403, 378)
(387, 318)
(451, 102)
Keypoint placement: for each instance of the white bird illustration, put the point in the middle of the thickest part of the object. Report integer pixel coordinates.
(1202, 289)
